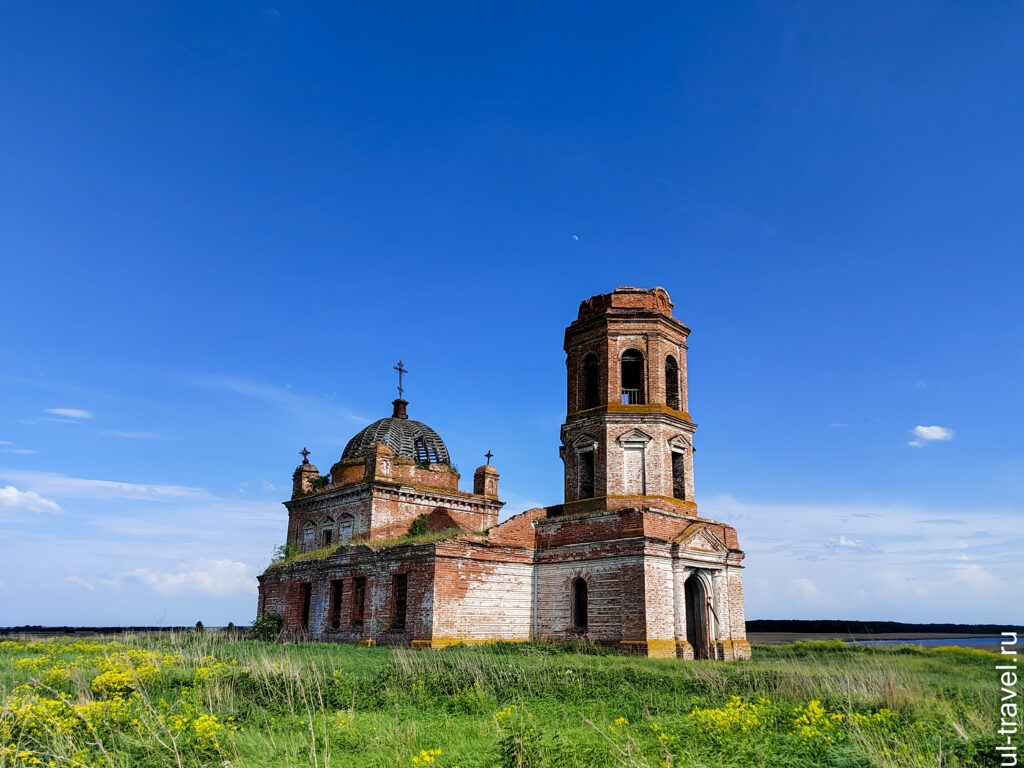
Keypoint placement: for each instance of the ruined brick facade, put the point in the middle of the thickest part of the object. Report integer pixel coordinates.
(625, 561)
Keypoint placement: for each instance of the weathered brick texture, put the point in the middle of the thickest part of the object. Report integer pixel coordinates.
(625, 561)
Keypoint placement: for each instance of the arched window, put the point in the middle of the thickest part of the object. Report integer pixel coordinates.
(345, 526)
(672, 383)
(633, 378)
(589, 385)
(579, 604)
(327, 532)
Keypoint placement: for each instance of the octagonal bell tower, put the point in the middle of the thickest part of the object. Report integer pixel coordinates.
(627, 440)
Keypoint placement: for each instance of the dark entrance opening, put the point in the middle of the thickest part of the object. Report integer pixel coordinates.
(579, 605)
(697, 618)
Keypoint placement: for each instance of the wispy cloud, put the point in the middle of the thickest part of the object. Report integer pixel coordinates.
(29, 501)
(925, 435)
(23, 451)
(70, 413)
(283, 398)
(62, 486)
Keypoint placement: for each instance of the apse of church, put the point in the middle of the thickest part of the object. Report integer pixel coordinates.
(394, 552)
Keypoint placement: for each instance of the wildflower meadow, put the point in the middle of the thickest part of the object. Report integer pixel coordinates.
(209, 699)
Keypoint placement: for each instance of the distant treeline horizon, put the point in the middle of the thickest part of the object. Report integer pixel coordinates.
(793, 626)
(821, 626)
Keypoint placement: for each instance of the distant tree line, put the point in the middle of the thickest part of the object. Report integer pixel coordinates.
(874, 627)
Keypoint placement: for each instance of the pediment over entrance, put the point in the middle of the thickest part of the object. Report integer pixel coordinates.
(699, 538)
(634, 436)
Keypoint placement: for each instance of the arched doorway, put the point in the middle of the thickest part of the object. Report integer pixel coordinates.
(697, 617)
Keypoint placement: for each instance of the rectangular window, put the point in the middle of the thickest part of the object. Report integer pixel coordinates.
(586, 474)
(678, 475)
(328, 534)
(358, 601)
(307, 598)
(336, 586)
(399, 597)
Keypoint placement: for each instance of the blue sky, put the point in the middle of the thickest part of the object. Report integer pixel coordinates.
(220, 226)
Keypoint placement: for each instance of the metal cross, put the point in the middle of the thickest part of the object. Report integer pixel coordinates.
(305, 455)
(488, 455)
(400, 370)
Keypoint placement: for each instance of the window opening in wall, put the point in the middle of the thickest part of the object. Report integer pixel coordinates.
(586, 460)
(345, 528)
(328, 534)
(307, 597)
(358, 601)
(579, 605)
(336, 587)
(678, 474)
(633, 378)
(672, 383)
(399, 598)
(308, 536)
(424, 454)
(591, 371)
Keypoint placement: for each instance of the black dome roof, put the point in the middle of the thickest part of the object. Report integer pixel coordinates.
(407, 438)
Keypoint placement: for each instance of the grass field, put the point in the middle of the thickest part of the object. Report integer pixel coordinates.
(203, 699)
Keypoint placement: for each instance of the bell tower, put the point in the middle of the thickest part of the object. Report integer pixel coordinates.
(627, 440)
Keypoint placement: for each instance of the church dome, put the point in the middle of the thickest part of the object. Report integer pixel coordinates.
(405, 437)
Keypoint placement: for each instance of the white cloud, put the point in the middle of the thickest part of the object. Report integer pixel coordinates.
(29, 501)
(218, 578)
(54, 484)
(23, 451)
(94, 583)
(924, 435)
(71, 413)
(132, 435)
(6, 442)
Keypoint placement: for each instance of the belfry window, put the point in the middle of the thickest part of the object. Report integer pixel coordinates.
(633, 378)
(586, 465)
(579, 605)
(672, 383)
(678, 474)
(589, 382)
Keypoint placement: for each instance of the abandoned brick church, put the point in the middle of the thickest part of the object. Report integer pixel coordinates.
(625, 560)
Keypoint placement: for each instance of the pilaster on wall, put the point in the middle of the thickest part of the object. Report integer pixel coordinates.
(659, 600)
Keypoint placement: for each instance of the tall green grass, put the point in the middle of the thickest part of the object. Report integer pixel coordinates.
(205, 699)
